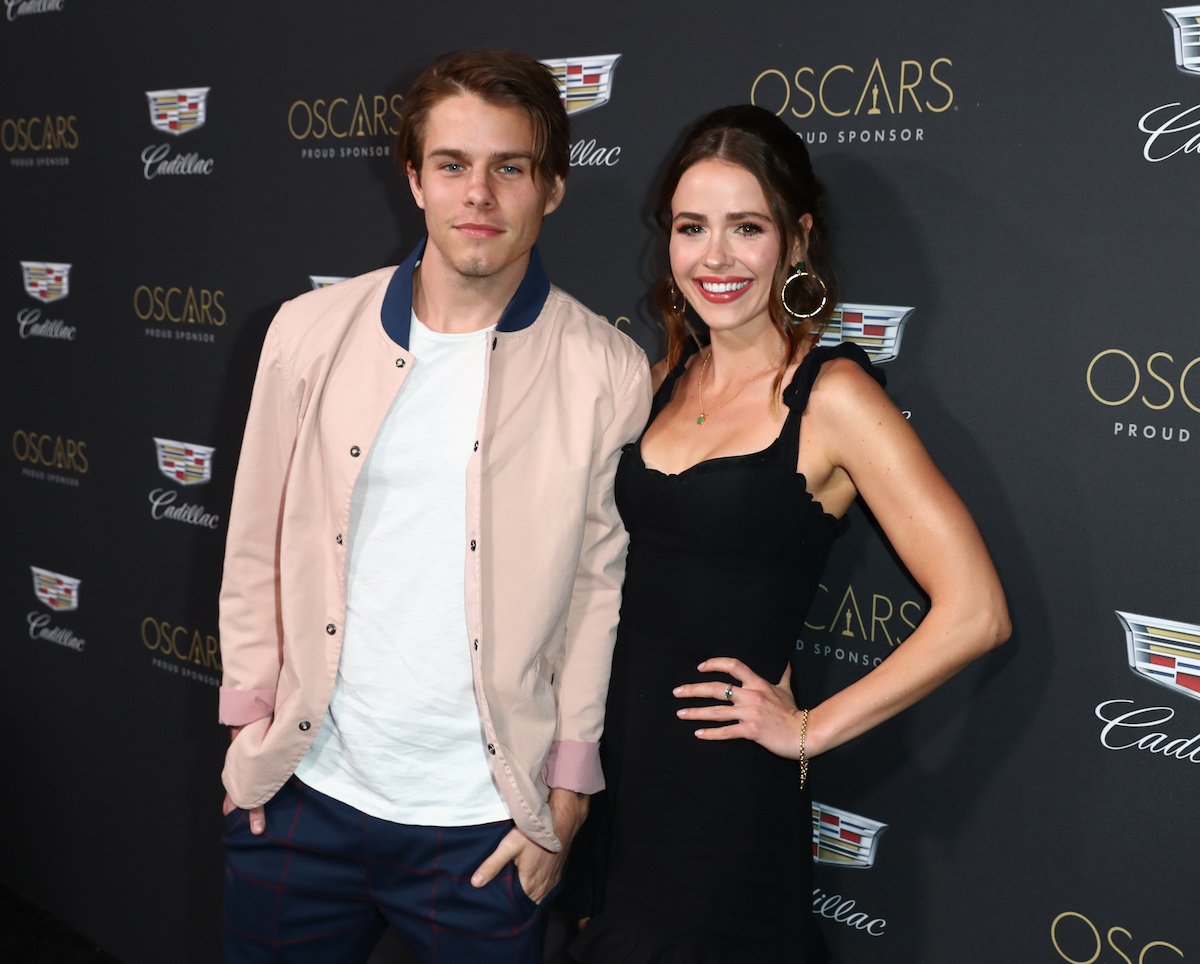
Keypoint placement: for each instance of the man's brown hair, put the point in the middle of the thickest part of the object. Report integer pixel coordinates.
(502, 78)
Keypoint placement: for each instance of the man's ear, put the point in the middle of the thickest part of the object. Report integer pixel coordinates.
(414, 184)
(555, 195)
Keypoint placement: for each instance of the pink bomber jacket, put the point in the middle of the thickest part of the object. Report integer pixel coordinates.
(544, 549)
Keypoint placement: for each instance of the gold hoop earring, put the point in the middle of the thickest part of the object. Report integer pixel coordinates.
(678, 301)
(800, 271)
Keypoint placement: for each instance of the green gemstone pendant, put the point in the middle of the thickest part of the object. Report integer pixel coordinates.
(700, 420)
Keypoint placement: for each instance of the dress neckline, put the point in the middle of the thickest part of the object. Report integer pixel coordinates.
(721, 461)
(668, 387)
(738, 456)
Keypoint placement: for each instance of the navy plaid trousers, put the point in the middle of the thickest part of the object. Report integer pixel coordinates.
(323, 882)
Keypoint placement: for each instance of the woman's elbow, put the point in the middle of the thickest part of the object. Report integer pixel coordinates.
(997, 626)
(979, 622)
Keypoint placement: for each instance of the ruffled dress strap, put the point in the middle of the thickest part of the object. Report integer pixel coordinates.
(800, 387)
(795, 396)
(797, 393)
(667, 388)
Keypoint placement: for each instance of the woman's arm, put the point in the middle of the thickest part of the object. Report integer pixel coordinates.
(854, 431)
(925, 521)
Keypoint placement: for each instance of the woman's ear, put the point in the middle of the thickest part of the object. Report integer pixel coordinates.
(800, 247)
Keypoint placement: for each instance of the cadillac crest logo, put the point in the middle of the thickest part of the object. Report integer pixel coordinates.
(46, 281)
(584, 82)
(178, 110)
(184, 462)
(1164, 651)
(55, 591)
(1185, 24)
(874, 328)
(842, 838)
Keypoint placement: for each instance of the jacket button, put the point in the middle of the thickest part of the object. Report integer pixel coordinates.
(339, 539)
(492, 749)
(355, 451)
(493, 343)
(331, 629)
(477, 644)
(305, 726)
(476, 446)
(400, 362)
(472, 545)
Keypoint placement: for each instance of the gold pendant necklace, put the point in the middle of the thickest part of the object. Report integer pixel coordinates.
(703, 416)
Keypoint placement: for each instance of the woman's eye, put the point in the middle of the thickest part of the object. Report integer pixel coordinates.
(688, 229)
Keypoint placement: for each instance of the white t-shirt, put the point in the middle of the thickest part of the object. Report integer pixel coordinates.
(402, 739)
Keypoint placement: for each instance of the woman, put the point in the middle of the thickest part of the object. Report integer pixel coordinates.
(757, 445)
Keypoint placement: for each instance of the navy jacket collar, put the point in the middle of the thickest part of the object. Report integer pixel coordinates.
(525, 306)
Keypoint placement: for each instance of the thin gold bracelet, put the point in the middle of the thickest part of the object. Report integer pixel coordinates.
(803, 758)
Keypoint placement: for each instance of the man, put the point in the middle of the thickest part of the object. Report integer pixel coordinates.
(424, 563)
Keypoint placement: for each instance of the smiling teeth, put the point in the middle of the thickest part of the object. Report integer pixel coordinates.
(723, 287)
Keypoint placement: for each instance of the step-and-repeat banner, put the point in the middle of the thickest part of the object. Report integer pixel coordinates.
(1014, 196)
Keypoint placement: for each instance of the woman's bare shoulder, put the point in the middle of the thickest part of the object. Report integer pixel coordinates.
(843, 382)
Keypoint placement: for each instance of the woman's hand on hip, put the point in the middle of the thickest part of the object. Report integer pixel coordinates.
(751, 708)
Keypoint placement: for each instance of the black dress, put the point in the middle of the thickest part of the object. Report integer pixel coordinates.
(707, 852)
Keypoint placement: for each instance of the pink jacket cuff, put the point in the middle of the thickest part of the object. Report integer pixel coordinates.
(574, 765)
(239, 707)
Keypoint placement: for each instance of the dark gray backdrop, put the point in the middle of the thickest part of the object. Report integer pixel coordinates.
(1007, 195)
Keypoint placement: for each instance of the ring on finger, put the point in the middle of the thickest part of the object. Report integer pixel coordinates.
(729, 692)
